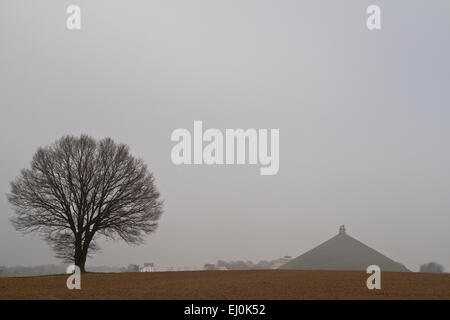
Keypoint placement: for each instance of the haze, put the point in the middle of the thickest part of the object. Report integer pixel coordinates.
(364, 119)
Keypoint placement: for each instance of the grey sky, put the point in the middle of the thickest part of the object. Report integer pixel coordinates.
(364, 119)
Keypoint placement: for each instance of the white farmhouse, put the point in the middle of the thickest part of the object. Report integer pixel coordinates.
(148, 267)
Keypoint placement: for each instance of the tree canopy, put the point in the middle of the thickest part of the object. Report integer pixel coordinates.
(78, 189)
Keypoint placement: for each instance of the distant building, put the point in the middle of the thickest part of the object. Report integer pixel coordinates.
(148, 267)
(280, 262)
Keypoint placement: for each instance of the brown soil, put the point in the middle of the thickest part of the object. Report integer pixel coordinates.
(263, 284)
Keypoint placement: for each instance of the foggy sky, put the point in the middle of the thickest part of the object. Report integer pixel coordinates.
(364, 119)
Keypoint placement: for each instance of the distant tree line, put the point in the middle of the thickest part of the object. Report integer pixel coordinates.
(50, 269)
(249, 265)
(132, 268)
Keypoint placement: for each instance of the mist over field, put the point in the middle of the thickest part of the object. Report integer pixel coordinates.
(364, 120)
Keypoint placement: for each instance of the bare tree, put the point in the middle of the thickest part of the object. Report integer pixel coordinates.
(79, 189)
(432, 267)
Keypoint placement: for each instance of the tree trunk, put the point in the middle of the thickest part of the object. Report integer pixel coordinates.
(80, 261)
(82, 264)
(80, 254)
